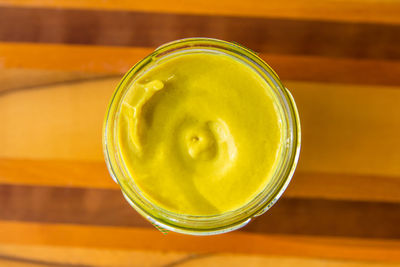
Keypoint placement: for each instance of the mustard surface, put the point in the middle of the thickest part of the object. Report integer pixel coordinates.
(199, 134)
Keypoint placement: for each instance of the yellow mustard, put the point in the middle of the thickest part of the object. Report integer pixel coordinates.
(200, 133)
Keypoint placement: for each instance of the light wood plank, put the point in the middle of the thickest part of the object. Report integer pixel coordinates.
(236, 242)
(65, 121)
(114, 257)
(23, 79)
(346, 128)
(373, 11)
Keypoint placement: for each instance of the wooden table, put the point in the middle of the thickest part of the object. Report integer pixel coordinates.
(60, 61)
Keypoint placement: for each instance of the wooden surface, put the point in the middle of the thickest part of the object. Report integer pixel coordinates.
(60, 62)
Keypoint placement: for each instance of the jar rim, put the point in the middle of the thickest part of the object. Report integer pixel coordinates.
(214, 224)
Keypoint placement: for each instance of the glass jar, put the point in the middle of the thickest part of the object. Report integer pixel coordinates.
(225, 222)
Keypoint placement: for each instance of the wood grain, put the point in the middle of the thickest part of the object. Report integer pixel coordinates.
(69, 173)
(67, 205)
(60, 62)
(348, 128)
(237, 242)
(334, 70)
(375, 11)
(244, 260)
(65, 122)
(100, 59)
(22, 254)
(342, 186)
(62, 173)
(78, 61)
(278, 36)
(317, 217)
(14, 79)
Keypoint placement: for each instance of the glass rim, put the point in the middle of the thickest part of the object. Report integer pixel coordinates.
(228, 221)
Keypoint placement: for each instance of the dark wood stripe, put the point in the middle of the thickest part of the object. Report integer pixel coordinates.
(289, 216)
(335, 70)
(124, 28)
(330, 217)
(67, 205)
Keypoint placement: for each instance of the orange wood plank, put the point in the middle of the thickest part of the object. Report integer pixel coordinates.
(64, 173)
(344, 187)
(70, 57)
(117, 60)
(375, 11)
(236, 242)
(261, 261)
(37, 255)
(69, 173)
(115, 257)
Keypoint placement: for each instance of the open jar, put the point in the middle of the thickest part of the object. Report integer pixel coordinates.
(139, 89)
